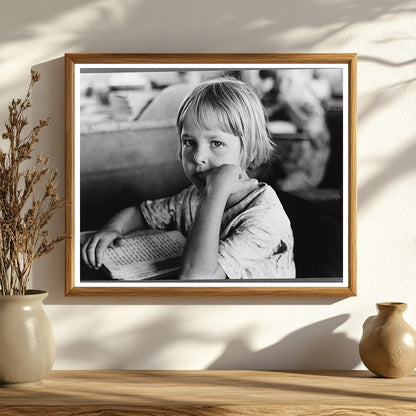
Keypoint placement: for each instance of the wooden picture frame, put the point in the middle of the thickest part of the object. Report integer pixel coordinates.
(323, 216)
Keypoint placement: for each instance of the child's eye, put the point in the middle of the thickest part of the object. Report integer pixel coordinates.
(187, 142)
(216, 143)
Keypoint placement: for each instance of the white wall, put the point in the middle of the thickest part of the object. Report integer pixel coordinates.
(200, 333)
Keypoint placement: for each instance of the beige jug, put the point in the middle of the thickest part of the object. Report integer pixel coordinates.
(388, 345)
(27, 346)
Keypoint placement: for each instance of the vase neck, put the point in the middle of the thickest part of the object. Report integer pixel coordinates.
(390, 308)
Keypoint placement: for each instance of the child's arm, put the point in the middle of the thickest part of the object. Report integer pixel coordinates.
(127, 220)
(200, 257)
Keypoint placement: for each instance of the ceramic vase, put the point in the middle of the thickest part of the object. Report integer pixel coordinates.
(388, 345)
(27, 346)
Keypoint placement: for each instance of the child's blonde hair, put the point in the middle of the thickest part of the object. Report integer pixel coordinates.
(233, 107)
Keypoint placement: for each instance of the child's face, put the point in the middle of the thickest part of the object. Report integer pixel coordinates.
(203, 150)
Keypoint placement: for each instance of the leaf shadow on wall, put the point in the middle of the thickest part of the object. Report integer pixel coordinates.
(403, 162)
(105, 26)
(152, 345)
(315, 346)
(125, 347)
(242, 27)
(399, 165)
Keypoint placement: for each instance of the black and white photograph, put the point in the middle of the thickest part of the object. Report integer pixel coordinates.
(208, 176)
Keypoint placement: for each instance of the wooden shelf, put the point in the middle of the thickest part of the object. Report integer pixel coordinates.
(209, 393)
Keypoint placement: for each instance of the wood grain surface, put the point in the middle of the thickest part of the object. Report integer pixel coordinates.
(206, 393)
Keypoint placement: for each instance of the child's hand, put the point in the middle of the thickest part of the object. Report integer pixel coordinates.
(94, 247)
(229, 179)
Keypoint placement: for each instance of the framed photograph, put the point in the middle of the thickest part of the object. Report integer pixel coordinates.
(211, 174)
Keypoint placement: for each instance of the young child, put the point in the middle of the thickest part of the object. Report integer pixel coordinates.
(236, 228)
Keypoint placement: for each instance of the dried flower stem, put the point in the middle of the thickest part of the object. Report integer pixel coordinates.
(23, 218)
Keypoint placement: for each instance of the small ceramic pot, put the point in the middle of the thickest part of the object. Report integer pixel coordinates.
(388, 345)
(27, 346)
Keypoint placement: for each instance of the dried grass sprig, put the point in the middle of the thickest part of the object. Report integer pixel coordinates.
(28, 199)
